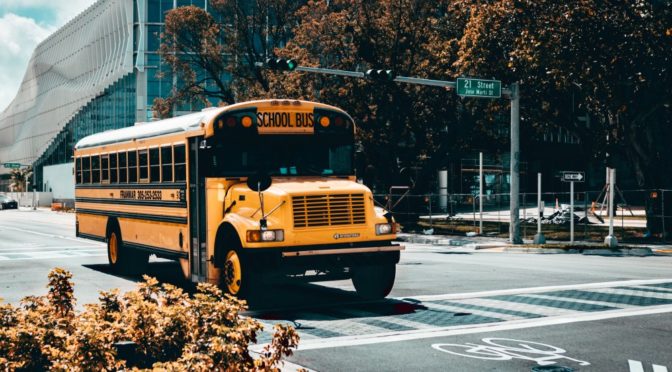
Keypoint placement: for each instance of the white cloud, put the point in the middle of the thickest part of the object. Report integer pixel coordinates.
(20, 35)
(18, 38)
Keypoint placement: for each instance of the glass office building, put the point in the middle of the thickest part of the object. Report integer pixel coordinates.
(96, 73)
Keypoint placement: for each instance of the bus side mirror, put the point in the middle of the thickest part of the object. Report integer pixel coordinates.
(259, 182)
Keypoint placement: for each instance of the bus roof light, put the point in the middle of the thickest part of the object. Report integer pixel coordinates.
(231, 122)
(325, 121)
(246, 121)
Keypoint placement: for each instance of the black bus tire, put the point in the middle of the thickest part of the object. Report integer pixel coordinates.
(374, 282)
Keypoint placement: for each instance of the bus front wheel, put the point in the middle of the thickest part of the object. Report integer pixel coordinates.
(236, 274)
(374, 282)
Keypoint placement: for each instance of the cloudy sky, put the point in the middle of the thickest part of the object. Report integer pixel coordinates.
(23, 24)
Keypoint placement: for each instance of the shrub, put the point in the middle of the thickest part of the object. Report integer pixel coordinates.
(169, 330)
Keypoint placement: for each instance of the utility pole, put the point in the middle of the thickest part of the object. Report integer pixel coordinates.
(514, 226)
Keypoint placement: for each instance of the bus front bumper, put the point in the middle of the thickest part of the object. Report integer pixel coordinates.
(339, 251)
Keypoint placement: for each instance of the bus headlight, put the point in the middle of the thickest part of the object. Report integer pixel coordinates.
(256, 236)
(384, 228)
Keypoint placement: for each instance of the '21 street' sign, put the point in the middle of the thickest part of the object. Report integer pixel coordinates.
(467, 87)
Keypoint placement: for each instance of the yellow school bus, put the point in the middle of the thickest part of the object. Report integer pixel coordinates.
(252, 192)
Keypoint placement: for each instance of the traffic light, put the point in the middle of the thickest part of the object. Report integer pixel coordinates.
(381, 75)
(281, 64)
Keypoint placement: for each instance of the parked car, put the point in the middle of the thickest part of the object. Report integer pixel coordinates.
(8, 203)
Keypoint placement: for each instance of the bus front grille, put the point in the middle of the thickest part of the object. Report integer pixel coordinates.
(328, 210)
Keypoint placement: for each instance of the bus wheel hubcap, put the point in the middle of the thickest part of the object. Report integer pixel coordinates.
(232, 272)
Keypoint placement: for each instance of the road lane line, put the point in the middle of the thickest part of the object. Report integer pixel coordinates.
(516, 291)
(474, 328)
(52, 235)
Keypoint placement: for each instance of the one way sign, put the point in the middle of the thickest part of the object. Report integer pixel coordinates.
(573, 176)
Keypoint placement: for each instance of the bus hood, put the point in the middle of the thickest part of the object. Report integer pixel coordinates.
(306, 186)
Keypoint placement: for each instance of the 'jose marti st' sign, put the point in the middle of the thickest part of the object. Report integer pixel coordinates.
(467, 87)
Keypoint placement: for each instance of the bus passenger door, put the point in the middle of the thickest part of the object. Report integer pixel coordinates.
(197, 205)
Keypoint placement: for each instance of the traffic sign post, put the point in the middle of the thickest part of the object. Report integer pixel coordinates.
(468, 87)
(572, 177)
(12, 165)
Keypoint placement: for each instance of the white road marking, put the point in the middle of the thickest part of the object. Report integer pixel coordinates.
(628, 292)
(474, 328)
(50, 235)
(387, 318)
(636, 366)
(528, 308)
(489, 314)
(650, 289)
(517, 291)
(580, 301)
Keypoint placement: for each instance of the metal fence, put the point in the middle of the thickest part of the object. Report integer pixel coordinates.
(639, 214)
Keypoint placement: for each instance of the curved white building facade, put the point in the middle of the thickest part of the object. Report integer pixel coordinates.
(68, 70)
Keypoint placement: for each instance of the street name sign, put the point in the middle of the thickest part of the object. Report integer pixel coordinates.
(13, 165)
(468, 87)
(573, 176)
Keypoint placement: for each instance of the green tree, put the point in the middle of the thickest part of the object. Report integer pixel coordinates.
(19, 177)
(212, 53)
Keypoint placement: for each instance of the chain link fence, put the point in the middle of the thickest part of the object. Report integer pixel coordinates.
(639, 215)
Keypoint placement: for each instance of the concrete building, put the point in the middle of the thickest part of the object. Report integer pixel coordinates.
(96, 73)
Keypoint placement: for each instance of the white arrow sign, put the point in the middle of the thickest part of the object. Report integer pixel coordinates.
(572, 176)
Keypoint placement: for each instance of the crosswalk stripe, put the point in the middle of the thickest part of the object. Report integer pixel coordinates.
(581, 301)
(633, 292)
(535, 309)
(490, 314)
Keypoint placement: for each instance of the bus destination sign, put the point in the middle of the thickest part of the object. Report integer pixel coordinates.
(468, 87)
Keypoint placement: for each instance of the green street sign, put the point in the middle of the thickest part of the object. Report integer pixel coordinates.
(13, 165)
(467, 87)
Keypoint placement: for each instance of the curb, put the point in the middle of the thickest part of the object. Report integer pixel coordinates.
(636, 252)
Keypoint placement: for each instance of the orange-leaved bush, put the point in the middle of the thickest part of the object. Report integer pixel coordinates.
(167, 329)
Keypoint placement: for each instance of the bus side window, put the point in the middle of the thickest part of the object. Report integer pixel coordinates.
(113, 168)
(143, 165)
(167, 164)
(180, 164)
(86, 169)
(154, 165)
(132, 166)
(123, 170)
(105, 168)
(95, 169)
(78, 170)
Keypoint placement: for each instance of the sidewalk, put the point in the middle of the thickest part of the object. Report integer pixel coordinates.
(502, 245)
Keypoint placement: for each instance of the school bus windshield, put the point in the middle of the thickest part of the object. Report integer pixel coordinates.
(281, 155)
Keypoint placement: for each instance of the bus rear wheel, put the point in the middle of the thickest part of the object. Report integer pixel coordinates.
(121, 259)
(374, 282)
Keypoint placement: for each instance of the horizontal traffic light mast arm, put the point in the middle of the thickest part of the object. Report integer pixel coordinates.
(399, 79)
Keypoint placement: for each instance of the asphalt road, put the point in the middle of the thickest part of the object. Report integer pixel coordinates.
(452, 308)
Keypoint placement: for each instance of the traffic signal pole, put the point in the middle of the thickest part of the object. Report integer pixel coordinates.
(512, 92)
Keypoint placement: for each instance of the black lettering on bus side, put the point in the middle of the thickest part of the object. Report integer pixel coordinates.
(304, 119)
